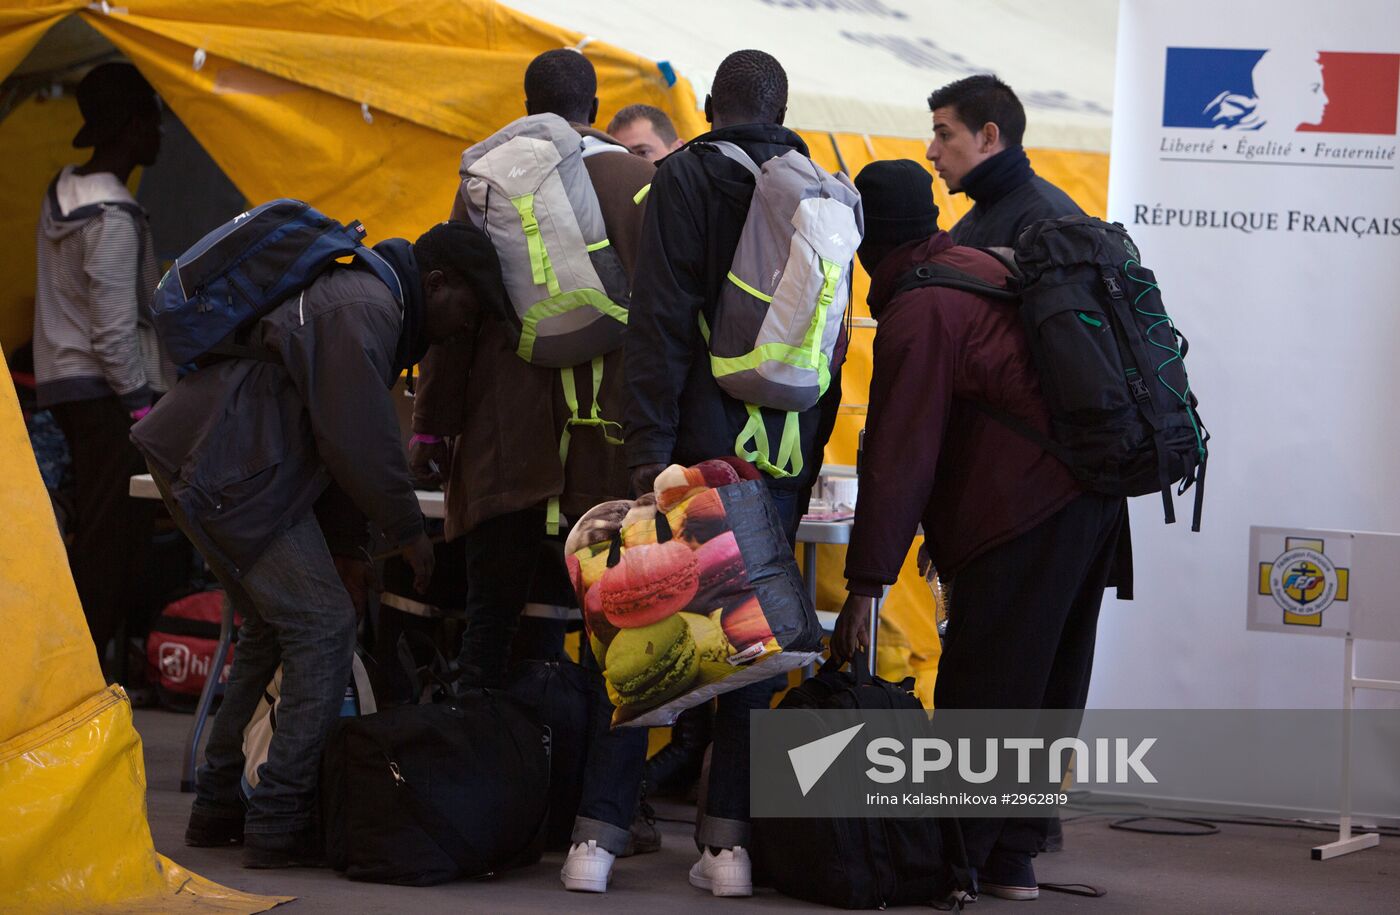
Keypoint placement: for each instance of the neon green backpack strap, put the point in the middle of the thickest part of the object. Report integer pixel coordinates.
(752, 445)
(569, 382)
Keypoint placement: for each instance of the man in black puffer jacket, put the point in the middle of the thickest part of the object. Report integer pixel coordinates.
(696, 210)
(978, 123)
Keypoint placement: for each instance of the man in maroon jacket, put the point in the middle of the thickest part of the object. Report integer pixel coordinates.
(1027, 552)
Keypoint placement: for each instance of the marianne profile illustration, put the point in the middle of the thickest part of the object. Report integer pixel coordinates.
(1288, 93)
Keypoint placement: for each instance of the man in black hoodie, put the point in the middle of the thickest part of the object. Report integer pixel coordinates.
(678, 414)
(978, 123)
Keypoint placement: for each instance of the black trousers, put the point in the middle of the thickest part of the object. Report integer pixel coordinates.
(112, 531)
(510, 561)
(1021, 629)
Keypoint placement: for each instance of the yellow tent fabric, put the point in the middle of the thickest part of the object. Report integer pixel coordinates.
(24, 22)
(72, 777)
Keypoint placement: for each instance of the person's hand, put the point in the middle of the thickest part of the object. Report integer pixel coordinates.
(852, 633)
(924, 560)
(427, 459)
(644, 477)
(420, 557)
(357, 574)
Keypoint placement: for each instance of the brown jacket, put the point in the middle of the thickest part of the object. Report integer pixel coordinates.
(505, 416)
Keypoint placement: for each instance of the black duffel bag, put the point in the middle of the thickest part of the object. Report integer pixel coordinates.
(566, 697)
(423, 794)
(855, 863)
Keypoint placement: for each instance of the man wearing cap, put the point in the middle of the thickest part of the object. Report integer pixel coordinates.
(96, 359)
(1026, 552)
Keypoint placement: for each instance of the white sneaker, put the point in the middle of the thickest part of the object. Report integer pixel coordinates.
(729, 873)
(587, 868)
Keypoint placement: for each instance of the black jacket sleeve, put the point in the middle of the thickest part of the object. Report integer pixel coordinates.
(663, 324)
(341, 362)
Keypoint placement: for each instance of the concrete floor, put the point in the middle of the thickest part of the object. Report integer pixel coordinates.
(1242, 869)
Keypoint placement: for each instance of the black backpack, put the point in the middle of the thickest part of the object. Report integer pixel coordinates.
(422, 794)
(855, 863)
(1111, 362)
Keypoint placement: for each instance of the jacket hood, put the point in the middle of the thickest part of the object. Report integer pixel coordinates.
(899, 262)
(594, 133)
(72, 200)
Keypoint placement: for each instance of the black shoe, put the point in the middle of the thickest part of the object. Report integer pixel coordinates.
(643, 838)
(266, 851)
(1008, 875)
(212, 831)
(673, 771)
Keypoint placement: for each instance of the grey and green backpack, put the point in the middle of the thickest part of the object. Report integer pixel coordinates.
(779, 316)
(527, 187)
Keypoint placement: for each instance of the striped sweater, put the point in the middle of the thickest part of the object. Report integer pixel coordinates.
(97, 274)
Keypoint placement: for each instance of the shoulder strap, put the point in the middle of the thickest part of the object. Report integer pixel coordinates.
(945, 277)
(736, 152)
(382, 269)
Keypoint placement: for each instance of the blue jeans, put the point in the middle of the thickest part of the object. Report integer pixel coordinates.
(726, 820)
(296, 613)
(612, 777)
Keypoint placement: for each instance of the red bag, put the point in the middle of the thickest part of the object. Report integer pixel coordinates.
(180, 649)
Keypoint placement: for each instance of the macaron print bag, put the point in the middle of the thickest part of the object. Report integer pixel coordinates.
(690, 591)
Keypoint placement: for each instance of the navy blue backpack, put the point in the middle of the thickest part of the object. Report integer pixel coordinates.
(248, 266)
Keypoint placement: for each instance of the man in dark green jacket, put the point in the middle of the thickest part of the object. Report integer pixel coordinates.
(273, 466)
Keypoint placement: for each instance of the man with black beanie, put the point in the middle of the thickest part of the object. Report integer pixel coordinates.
(1026, 552)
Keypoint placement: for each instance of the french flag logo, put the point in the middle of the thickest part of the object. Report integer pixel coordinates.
(1282, 90)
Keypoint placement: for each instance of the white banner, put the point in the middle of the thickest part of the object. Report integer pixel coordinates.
(1255, 163)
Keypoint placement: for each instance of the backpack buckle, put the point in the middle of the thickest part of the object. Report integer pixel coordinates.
(1138, 386)
(1110, 281)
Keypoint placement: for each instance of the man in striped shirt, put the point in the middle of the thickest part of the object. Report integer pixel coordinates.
(97, 363)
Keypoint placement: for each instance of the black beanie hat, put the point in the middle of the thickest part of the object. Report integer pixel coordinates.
(897, 197)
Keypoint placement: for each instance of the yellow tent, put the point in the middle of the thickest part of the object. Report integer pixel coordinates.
(361, 108)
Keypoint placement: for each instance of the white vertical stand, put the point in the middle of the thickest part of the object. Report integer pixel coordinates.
(1346, 842)
(875, 605)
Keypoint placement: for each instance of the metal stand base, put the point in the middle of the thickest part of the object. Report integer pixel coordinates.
(1345, 846)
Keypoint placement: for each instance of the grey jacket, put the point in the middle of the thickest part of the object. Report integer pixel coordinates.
(249, 446)
(96, 275)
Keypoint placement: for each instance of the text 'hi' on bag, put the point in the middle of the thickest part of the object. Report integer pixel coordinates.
(854, 862)
(1111, 361)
